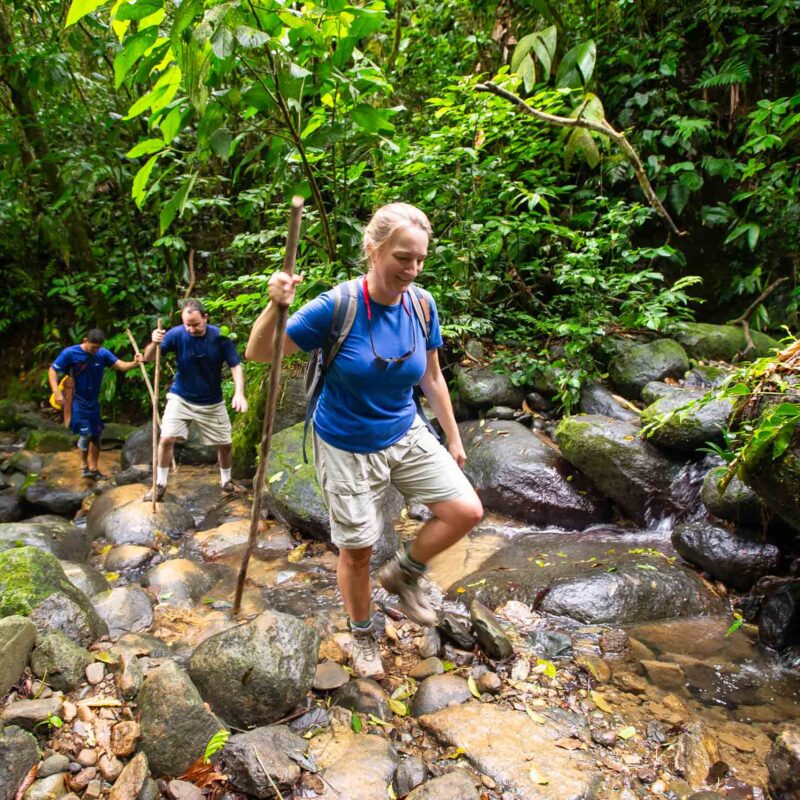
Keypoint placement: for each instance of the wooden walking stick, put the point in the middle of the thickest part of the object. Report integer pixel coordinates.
(149, 385)
(155, 418)
(272, 400)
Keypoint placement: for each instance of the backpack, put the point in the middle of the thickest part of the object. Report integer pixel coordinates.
(345, 307)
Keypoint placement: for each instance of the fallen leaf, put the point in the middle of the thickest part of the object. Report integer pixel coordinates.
(473, 687)
(627, 733)
(546, 667)
(537, 778)
(276, 477)
(535, 717)
(297, 553)
(398, 707)
(459, 751)
(600, 701)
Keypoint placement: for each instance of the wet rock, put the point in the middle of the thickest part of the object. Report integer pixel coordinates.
(33, 584)
(641, 363)
(48, 788)
(255, 673)
(131, 779)
(456, 630)
(502, 412)
(550, 644)
(706, 342)
(329, 676)
(26, 462)
(44, 441)
(115, 434)
(614, 642)
(10, 506)
(482, 388)
(425, 668)
(737, 559)
(176, 725)
(59, 660)
(411, 772)
(365, 696)
(18, 754)
(437, 692)
(125, 609)
(135, 473)
(296, 499)
(52, 766)
(739, 503)
(690, 428)
(460, 658)
(455, 785)
(657, 390)
(314, 719)
(121, 516)
(28, 714)
(706, 377)
(179, 582)
(516, 473)
(43, 498)
(128, 557)
(17, 636)
(430, 643)
(783, 763)
(515, 746)
(779, 624)
(596, 399)
(53, 534)
(275, 749)
(491, 637)
(138, 449)
(633, 473)
(9, 414)
(695, 752)
(665, 674)
(595, 666)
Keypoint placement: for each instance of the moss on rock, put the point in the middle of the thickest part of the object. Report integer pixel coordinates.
(638, 365)
(50, 441)
(707, 342)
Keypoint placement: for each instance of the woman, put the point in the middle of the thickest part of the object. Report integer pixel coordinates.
(367, 433)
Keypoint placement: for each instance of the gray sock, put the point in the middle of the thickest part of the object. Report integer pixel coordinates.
(409, 564)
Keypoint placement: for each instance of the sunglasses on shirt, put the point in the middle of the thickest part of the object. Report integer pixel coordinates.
(383, 362)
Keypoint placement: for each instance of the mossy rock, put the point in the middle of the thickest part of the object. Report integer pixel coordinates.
(9, 415)
(43, 441)
(115, 433)
(707, 342)
(689, 429)
(633, 369)
(484, 388)
(738, 503)
(34, 420)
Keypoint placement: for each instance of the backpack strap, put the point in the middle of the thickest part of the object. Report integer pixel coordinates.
(422, 310)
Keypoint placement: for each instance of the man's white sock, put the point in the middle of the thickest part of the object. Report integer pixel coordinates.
(162, 474)
(224, 475)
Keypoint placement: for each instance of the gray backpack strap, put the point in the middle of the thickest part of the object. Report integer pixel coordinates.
(345, 307)
(422, 309)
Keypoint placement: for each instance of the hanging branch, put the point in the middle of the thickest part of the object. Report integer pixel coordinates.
(744, 319)
(598, 127)
(192, 278)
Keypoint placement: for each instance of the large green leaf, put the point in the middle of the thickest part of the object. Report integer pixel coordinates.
(80, 8)
(176, 204)
(222, 42)
(171, 124)
(581, 141)
(134, 48)
(371, 119)
(139, 9)
(544, 45)
(139, 190)
(577, 66)
(145, 148)
(527, 71)
(251, 38)
(184, 16)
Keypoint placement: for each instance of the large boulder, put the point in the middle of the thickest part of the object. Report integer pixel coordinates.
(633, 473)
(17, 636)
(294, 497)
(121, 516)
(49, 533)
(33, 584)
(642, 363)
(26, 462)
(18, 755)
(254, 673)
(738, 503)
(737, 559)
(44, 498)
(516, 473)
(176, 725)
(706, 342)
(179, 581)
(138, 449)
(687, 428)
(10, 412)
(483, 388)
(783, 764)
(779, 624)
(597, 399)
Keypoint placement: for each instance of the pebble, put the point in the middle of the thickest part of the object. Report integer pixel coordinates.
(93, 790)
(95, 672)
(488, 782)
(424, 669)
(430, 643)
(87, 757)
(85, 714)
(124, 737)
(68, 711)
(183, 790)
(110, 767)
(329, 676)
(490, 682)
(47, 788)
(604, 737)
(82, 779)
(52, 766)
(460, 658)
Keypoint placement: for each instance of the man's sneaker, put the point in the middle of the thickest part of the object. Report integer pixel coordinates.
(405, 585)
(87, 473)
(160, 489)
(366, 655)
(232, 488)
(99, 476)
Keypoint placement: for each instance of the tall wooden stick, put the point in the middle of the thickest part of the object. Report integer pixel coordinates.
(272, 400)
(155, 419)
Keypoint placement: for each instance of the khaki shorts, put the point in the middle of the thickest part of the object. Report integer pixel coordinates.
(353, 484)
(211, 421)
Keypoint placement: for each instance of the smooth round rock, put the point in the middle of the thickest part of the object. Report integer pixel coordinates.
(439, 691)
(329, 676)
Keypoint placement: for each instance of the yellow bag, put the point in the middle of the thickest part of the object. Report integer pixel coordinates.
(67, 387)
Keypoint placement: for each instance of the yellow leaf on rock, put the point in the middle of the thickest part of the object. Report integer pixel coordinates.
(111, 576)
(459, 751)
(537, 778)
(626, 733)
(600, 701)
(297, 553)
(398, 708)
(473, 687)
(276, 477)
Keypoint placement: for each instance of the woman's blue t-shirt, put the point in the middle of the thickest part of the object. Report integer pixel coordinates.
(364, 408)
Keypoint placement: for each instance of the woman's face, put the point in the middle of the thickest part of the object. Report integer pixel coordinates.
(398, 261)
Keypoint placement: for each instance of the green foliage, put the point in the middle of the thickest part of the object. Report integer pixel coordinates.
(215, 744)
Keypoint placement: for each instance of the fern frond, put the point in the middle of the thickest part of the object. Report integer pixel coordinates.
(733, 71)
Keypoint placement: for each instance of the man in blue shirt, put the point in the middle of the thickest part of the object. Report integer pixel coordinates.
(195, 396)
(85, 363)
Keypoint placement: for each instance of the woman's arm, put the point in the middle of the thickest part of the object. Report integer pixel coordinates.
(262, 337)
(434, 386)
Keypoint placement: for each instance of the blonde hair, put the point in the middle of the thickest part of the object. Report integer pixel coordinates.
(388, 219)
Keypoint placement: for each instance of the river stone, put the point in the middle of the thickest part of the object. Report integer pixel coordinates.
(706, 342)
(329, 676)
(457, 630)
(779, 624)
(44, 498)
(115, 434)
(18, 754)
(29, 713)
(515, 745)
(253, 674)
(687, 430)
(48, 788)
(706, 377)
(9, 413)
(695, 752)
(439, 691)
(550, 644)
(52, 534)
(411, 772)
(127, 557)
(17, 637)
(596, 399)
(737, 559)
(783, 764)
(131, 780)
(455, 785)
(10, 505)
(26, 462)
(492, 639)
(425, 668)
(294, 497)
(130, 676)
(53, 765)
(85, 578)
(176, 724)
(60, 661)
(43, 441)
(365, 696)
(275, 749)
(178, 582)
(516, 473)
(657, 390)
(631, 370)
(633, 473)
(121, 516)
(138, 449)
(739, 503)
(482, 388)
(33, 584)
(124, 609)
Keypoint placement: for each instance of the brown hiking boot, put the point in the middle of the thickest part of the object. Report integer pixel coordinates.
(160, 490)
(232, 488)
(366, 655)
(413, 600)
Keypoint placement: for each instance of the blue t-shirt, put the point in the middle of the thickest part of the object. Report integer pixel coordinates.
(363, 408)
(87, 370)
(200, 359)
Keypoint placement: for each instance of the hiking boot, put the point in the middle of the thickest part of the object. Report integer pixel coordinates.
(160, 489)
(87, 473)
(99, 476)
(413, 600)
(366, 655)
(232, 488)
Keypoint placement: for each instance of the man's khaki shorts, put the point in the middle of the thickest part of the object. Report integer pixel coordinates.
(211, 421)
(353, 484)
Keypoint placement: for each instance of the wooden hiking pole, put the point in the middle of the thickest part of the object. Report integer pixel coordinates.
(272, 400)
(155, 418)
(149, 385)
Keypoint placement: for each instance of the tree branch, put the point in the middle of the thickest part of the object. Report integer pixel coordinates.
(745, 317)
